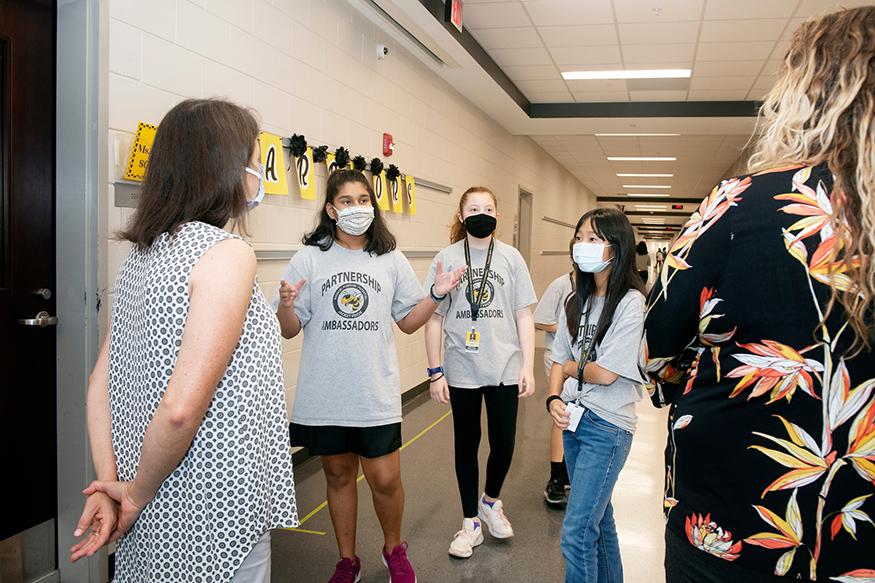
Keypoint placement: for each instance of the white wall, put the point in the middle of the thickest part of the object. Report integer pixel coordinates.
(307, 67)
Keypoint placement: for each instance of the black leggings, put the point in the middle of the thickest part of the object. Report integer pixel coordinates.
(501, 413)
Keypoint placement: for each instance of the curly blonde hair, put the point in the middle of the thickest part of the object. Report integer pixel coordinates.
(822, 110)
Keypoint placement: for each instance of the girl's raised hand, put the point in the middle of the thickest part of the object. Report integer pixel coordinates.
(445, 282)
(289, 293)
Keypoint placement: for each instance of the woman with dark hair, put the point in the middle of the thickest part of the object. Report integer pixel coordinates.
(594, 385)
(352, 286)
(642, 261)
(489, 344)
(186, 406)
(759, 335)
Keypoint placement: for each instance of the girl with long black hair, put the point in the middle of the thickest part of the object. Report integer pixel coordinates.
(594, 385)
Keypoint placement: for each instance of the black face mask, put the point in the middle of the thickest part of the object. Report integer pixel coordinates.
(480, 226)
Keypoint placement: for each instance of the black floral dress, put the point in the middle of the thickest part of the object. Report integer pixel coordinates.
(770, 462)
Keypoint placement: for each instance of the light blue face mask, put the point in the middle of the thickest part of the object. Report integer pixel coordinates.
(251, 204)
(588, 257)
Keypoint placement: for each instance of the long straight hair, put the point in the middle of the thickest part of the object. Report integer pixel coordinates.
(612, 226)
(458, 230)
(380, 239)
(196, 170)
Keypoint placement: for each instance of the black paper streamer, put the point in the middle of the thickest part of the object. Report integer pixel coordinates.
(376, 166)
(320, 154)
(341, 157)
(393, 173)
(359, 163)
(298, 145)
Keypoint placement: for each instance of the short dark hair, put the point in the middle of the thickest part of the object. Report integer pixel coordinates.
(195, 170)
(380, 239)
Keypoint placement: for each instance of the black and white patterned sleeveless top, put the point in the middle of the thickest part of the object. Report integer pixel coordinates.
(236, 481)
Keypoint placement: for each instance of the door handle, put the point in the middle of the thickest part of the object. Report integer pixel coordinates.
(41, 320)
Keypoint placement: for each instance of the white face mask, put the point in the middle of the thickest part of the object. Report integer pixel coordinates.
(355, 220)
(588, 257)
(259, 196)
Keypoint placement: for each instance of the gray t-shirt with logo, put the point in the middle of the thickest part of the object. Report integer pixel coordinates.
(508, 289)
(349, 365)
(619, 352)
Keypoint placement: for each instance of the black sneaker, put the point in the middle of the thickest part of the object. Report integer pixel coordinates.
(554, 493)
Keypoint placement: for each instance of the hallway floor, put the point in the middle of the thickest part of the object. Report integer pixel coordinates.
(433, 511)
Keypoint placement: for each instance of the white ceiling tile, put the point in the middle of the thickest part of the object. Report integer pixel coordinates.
(780, 50)
(510, 57)
(602, 54)
(739, 9)
(757, 94)
(659, 33)
(791, 28)
(541, 86)
(507, 38)
(550, 97)
(765, 81)
(658, 95)
(820, 7)
(729, 83)
(771, 68)
(726, 68)
(750, 51)
(742, 30)
(664, 11)
(494, 15)
(599, 96)
(597, 85)
(657, 53)
(578, 36)
(569, 12)
(532, 72)
(719, 95)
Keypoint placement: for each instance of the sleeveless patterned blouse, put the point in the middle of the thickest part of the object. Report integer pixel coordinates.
(235, 482)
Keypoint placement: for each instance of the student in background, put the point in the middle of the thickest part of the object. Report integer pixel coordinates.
(642, 262)
(489, 344)
(547, 316)
(594, 385)
(352, 286)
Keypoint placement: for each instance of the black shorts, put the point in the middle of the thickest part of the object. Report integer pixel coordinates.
(369, 442)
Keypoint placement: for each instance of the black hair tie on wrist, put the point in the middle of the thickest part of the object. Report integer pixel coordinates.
(550, 399)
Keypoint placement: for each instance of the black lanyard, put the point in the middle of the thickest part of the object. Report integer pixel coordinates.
(477, 301)
(586, 347)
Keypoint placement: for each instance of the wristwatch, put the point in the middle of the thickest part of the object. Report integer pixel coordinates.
(434, 371)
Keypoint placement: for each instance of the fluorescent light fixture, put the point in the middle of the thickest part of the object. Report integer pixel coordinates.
(642, 158)
(645, 186)
(635, 135)
(649, 194)
(650, 207)
(646, 175)
(629, 74)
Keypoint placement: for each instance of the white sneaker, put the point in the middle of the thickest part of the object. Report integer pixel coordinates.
(466, 539)
(494, 519)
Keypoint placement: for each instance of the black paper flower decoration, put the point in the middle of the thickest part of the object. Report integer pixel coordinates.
(298, 145)
(376, 166)
(320, 154)
(341, 157)
(393, 173)
(359, 163)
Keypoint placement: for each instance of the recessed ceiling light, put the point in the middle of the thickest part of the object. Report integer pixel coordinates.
(635, 135)
(629, 74)
(642, 158)
(651, 207)
(649, 194)
(645, 186)
(646, 175)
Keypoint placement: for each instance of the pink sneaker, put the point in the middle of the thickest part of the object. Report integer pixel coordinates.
(347, 571)
(400, 570)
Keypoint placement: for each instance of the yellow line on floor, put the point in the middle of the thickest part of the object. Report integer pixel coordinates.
(362, 476)
(304, 530)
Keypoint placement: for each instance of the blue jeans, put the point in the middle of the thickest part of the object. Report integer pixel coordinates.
(594, 454)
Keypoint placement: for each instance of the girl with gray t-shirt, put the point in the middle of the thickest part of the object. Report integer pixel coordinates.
(489, 343)
(594, 385)
(352, 286)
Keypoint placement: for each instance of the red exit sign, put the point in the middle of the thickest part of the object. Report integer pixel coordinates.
(453, 13)
(677, 207)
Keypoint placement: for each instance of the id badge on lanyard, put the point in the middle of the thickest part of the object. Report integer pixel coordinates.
(472, 337)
